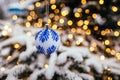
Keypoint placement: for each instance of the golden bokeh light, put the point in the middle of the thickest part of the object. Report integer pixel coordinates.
(88, 32)
(81, 39)
(56, 18)
(107, 30)
(73, 30)
(118, 56)
(94, 15)
(77, 15)
(67, 43)
(108, 50)
(80, 23)
(116, 33)
(14, 17)
(96, 28)
(52, 1)
(83, 1)
(22, 1)
(17, 63)
(108, 69)
(52, 15)
(56, 11)
(32, 13)
(102, 57)
(87, 11)
(2, 69)
(77, 42)
(35, 25)
(53, 6)
(61, 21)
(28, 33)
(34, 16)
(4, 33)
(64, 12)
(94, 44)
(54, 26)
(29, 18)
(118, 23)
(103, 33)
(40, 20)
(6, 27)
(49, 21)
(17, 46)
(62, 5)
(85, 27)
(101, 2)
(114, 8)
(92, 49)
(79, 31)
(46, 65)
(70, 36)
(39, 24)
(109, 78)
(113, 52)
(37, 4)
(27, 24)
(86, 22)
(107, 42)
(70, 22)
(8, 58)
(79, 10)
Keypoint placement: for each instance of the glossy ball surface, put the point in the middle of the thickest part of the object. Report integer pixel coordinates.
(47, 41)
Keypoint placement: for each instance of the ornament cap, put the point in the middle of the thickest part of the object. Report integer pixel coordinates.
(47, 26)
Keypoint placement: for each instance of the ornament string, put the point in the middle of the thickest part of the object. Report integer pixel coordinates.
(47, 10)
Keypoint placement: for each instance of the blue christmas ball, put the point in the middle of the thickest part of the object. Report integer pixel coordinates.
(47, 41)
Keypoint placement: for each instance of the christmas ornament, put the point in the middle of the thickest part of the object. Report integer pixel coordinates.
(16, 8)
(47, 41)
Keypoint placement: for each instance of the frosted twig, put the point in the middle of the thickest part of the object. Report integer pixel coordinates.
(93, 61)
(11, 77)
(51, 68)
(36, 73)
(41, 60)
(71, 76)
(86, 76)
(26, 54)
(62, 58)
(74, 52)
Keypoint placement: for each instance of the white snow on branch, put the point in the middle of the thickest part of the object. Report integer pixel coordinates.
(49, 73)
(36, 73)
(11, 77)
(84, 67)
(113, 64)
(62, 58)
(12, 74)
(75, 52)
(41, 61)
(93, 61)
(15, 71)
(26, 54)
(71, 76)
(5, 51)
(19, 39)
(86, 76)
